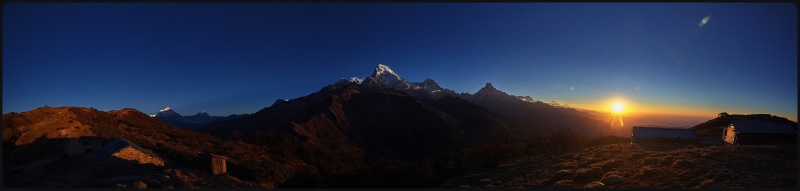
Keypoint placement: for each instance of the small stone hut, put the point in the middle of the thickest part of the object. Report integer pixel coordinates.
(82, 145)
(212, 164)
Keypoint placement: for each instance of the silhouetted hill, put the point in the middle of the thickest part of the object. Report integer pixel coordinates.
(191, 122)
(536, 116)
(714, 127)
(353, 128)
(27, 138)
(478, 116)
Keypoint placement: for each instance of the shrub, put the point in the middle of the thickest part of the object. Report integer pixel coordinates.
(607, 140)
(139, 185)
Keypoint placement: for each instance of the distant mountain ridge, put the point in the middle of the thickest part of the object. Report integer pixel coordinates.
(533, 117)
(354, 125)
(191, 122)
(359, 119)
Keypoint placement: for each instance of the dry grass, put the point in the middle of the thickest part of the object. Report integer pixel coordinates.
(178, 146)
(129, 153)
(631, 166)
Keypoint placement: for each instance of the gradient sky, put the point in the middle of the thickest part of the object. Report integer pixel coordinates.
(228, 58)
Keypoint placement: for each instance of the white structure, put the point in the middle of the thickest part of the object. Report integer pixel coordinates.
(642, 134)
(758, 132)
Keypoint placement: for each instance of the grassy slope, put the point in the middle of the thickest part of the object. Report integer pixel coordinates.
(247, 161)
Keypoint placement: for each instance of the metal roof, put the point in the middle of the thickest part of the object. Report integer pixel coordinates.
(662, 132)
(748, 126)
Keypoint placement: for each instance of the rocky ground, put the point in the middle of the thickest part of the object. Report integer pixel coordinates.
(633, 166)
(82, 171)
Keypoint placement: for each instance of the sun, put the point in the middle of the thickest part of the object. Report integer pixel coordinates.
(617, 108)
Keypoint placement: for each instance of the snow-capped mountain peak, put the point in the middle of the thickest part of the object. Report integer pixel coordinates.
(386, 76)
(344, 81)
(278, 101)
(201, 117)
(490, 92)
(166, 113)
(356, 80)
(488, 89)
(489, 86)
(165, 109)
(204, 114)
(383, 69)
(526, 98)
(428, 84)
(171, 117)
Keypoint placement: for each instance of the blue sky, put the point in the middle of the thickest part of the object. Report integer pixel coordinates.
(228, 58)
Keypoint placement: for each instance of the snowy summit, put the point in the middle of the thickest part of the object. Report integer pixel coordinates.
(166, 112)
(344, 81)
(385, 76)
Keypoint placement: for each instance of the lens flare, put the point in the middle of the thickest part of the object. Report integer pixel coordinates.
(704, 21)
(617, 108)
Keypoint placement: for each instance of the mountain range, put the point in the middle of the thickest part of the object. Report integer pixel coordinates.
(353, 125)
(382, 131)
(521, 116)
(531, 118)
(191, 122)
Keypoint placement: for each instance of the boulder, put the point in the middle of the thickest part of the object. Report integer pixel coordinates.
(562, 175)
(139, 185)
(650, 160)
(649, 171)
(585, 174)
(706, 183)
(683, 163)
(611, 178)
(565, 184)
(636, 155)
(561, 166)
(609, 164)
(667, 160)
(595, 184)
(588, 162)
